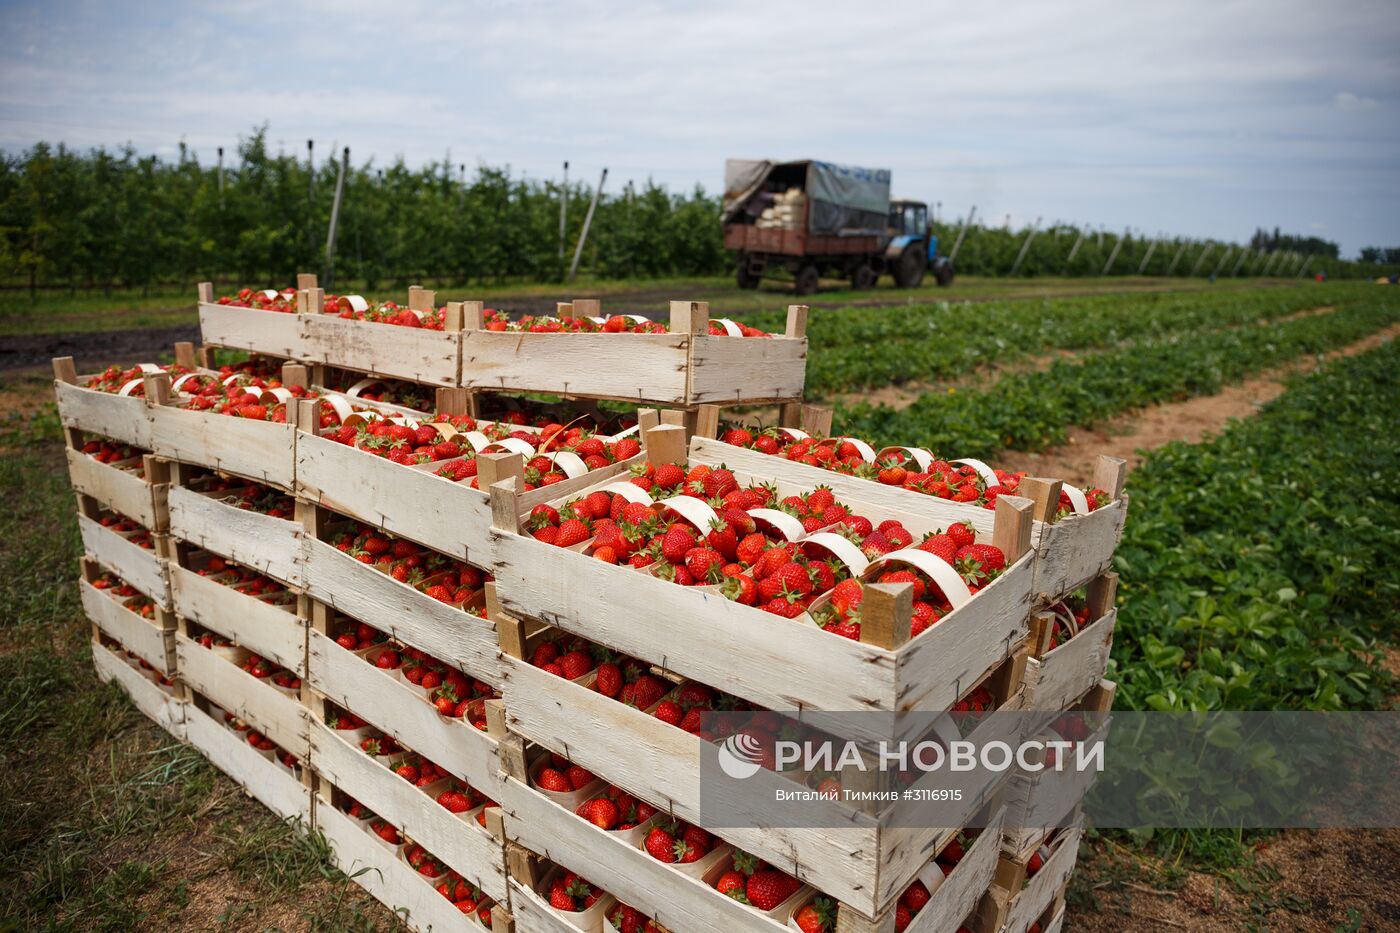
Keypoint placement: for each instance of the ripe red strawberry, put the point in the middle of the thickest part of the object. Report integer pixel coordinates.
(670, 712)
(703, 564)
(940, 546)
(661, 845)
(902, 918)
(732, 883)
(717, 482)
(790, 579)
(647, 689)
(781, 606)
(572, 531)
(609, 679)
(553, 780)
(676, 543)
(602, 813)
(455, 801)
(575, 664)
(751, 548)
(961, 533)
(915, 896)
(847, 595)
(579, 777)
(668, 476)
(816, 917)
(741, 588)
(905, 576)
(737, 437)
(768, 888)
(596, 504)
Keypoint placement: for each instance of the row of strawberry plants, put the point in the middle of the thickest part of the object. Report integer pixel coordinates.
(1033, 410)
(1260, 567)
(931, 342)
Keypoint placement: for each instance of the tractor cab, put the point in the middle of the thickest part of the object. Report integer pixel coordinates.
(908, 218)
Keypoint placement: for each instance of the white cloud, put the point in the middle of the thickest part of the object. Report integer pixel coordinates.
(1346, 100)
(1204, 117)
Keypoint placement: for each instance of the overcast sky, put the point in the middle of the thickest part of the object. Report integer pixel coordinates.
(1206, 118)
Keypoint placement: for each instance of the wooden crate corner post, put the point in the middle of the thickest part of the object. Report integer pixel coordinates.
(306, 280)
(796, 321)
(185, 355)
(665, 443)
(157, 388)
(887, 614)
(206, 292)
(1045, 493)
(1011, 524)
(64, 370)
(1110, 473)
(690, 317)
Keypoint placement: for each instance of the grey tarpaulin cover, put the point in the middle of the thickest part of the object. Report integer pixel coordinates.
(845, 199)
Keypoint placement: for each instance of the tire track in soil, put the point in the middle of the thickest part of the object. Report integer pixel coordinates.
(1132, 435)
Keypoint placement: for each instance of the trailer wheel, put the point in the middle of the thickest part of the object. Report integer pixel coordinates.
(745, 277)
(909, 267)
(864, 277)
(807, 280)
(944, 274)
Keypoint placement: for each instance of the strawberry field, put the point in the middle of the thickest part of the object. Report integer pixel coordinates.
(394, 588)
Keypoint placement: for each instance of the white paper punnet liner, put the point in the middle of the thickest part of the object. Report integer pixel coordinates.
(730, 328)
(850, 555)
(693, 510)
(787, 526)
(355, 390)
(1076, 499)
(338, 405)
(942, 574)
(635, 429)
(271, 293)
(357, 302)
(867, 453)
(229, 380)
(150, 368)
(795, 434)
(568, 461)
(514, 444)
(130, 386)
(638, 318)
(631, 492)
(920, 456)
(988, 475)
(600, 321)
(278, 394)
(179, 383)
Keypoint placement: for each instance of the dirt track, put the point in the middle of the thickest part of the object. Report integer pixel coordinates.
(34, 351)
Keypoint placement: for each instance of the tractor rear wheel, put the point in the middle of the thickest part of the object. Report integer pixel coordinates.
(909, 267)
(864, 277)
(807, 280)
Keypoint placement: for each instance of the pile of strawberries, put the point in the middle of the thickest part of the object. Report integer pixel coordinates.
(572, 894)
(561, 776)
(400, 393)
(250, 496)
(106, 450)
(955, 482)
(466, 897)
(131, 530)
(113, 378)
(626, 919)
(284, 300)
(443, 578)
(754, 882)
(676, 842)
(615, 809)
(451, 692)
(615, 324)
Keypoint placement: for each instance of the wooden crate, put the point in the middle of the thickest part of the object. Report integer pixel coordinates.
(412, 501)
(271, 546)
(684, 367)
(684, 904)
(153, 640)
(433, 357)
(379, 870)
(157, 704)
(1069, 552)
(691, 631)
(456, 839)
(383, 700)
(257, 450)
(275, 333)
(120, 417)
(1049, 794)
(1013, 903)
(143, 568)
(277, 632)
(271, 784)
(280, 717)
(865, 865)
(141, 498)
(454, 637)
(1057, 678)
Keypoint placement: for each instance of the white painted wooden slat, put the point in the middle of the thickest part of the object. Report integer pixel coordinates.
(121, 418)
(413, 353)
(142, 568)
(266, 780)
(263, 543)
(151, 700)
(117, 489)
(259, 450)
(358, 590)
(644, 367)
(387, 703)
(271, 631)
(137, 634)
(661, 764)
(458, 841)
(729, 370)
(395, 884)
(1031, 901)
(962, 888)
(1076, 549)
(275, 333)
(277, 716)
(1073, 668)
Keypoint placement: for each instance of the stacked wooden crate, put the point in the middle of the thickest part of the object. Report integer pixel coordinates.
(292, 645)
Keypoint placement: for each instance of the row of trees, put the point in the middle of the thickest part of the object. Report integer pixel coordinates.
(99, 219)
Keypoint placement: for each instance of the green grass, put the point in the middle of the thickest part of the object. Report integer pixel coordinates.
(110, 824)
(173, 305)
